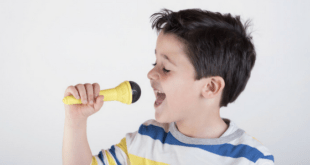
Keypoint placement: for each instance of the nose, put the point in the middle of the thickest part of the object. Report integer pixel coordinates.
(152, 74)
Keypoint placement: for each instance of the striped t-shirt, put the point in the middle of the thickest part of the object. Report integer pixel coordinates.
(162, 144)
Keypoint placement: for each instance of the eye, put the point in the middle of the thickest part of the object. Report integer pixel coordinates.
(163, 69)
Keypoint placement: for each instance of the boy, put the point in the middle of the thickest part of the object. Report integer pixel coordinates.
(204, 61)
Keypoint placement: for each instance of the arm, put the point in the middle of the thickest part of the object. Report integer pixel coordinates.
(75, 149)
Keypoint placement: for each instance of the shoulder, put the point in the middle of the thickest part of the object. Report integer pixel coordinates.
(152, 124)
(253, 149)
(255, 143)
(146, 137)
(150, 128)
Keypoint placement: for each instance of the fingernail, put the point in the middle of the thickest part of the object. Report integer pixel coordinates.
(91, 101)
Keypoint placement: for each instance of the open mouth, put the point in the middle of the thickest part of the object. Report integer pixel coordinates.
(160, 97)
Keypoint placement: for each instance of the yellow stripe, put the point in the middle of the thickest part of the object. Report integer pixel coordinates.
(111, 160)
(94, 161)
(140, 160)
(123, 146)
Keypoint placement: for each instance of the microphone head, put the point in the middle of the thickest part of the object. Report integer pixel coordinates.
(136, 91)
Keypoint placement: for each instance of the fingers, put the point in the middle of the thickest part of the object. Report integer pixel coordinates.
(99, 102)
(82, 93)
(86, 92)
(71, 90)
(96, 87)
(90, 93)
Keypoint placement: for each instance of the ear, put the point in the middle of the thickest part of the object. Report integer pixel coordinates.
(213, 87)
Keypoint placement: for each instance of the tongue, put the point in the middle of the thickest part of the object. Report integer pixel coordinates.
(161, 97)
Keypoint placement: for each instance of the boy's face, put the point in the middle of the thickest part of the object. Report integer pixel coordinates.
(182, 92)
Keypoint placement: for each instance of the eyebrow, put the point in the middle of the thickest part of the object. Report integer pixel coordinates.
(167, 58)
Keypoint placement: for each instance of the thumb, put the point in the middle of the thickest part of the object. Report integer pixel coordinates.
(99, 102)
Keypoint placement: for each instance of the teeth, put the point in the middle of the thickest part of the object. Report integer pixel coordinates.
(157, 91)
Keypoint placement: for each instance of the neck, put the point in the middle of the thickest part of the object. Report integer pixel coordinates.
(206, 126)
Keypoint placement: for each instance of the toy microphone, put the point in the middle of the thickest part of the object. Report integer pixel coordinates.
(127, 92)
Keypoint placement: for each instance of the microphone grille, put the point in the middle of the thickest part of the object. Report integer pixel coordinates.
(136, 91)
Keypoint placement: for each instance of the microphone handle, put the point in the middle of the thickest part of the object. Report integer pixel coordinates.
(120, 93)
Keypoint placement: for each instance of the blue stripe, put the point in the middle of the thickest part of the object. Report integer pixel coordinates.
(112, 151)
(101, 157)
(234, 151)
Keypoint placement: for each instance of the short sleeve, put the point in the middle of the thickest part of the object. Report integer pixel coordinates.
(116, 155)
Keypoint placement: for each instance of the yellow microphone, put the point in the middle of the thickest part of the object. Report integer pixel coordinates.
(127, 92)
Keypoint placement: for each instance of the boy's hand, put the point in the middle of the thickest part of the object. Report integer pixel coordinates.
(87, 93)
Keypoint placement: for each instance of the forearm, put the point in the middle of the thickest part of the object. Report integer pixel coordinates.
(75, 149)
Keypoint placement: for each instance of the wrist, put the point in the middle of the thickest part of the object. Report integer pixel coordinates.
(75, 123)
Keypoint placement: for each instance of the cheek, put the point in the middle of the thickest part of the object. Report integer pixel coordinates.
(178, 91)
(180, 98)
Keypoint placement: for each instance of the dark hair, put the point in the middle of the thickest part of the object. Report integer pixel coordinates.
(215, 44)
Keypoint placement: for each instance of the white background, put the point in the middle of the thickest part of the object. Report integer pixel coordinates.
(46, 46)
